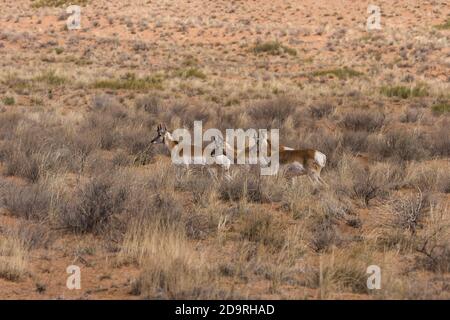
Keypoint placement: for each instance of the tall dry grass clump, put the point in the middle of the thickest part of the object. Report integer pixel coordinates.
(341, 270)
(13, 257)
(171, 268)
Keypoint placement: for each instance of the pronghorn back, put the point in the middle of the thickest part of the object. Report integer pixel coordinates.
(302, 156)
(287, 155)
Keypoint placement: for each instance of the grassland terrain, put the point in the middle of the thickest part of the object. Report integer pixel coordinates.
(80, 183)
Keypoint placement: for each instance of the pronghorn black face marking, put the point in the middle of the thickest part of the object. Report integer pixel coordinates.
(161, 137)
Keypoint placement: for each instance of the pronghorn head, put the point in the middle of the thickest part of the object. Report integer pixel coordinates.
(161, 134)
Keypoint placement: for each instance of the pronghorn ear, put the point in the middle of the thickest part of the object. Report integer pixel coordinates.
(158, 128)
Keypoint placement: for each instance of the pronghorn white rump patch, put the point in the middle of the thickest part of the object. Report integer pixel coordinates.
(320, 158)
(287, 148)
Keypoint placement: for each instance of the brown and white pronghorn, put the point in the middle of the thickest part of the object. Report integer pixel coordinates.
(292, 163)
(166, 138)
(298, 162)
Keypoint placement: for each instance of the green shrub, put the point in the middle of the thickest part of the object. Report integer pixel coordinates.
(341, 73)
(8, 101)
(57, 3)
(190, 73)
(441, 108)
(130, 82)
(59, 50)
(50, 78)
(273, 48)
(444, 26)
(404, 92)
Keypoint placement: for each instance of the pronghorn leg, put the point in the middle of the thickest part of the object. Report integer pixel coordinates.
(227, 175)
(213, 173)
(186, 169)
(322, 181)
(313, 181)
(313, 177)
(225, 172)
(233, 173)
(316, 178)
(179, 172)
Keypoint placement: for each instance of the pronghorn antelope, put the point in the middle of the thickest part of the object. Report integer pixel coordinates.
(233, 153)
(292, 162)
(166, 138)
(298, 162)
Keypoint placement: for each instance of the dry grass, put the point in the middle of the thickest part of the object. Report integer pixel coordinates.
(31, 202)
(130, 82)
(273, 48)
(76, 160)
(341, 270)
(344, 73)
(171, 268)
(57, 3)
(13, 258)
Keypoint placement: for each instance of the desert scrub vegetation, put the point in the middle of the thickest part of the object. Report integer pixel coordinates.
(404, 92)
(261, 228)
(191, 72)
(272, 112)
(76, 162)
(444, 26)
(441, 108)
(433, 244)
(99, 176)
(429, 177)
(15, 82)
(416, 223)
(28, 201)
(8, 101)
(57, 3)
(409, 212)
(46, 78)
(341, 270)
(321, 110)
(13, 258)
(273, 48)
(130, 82)
(340, 73)
(171, 268)
(50, 78)
(92, 206)
(399, 144)
(363, 120)
(365, 183)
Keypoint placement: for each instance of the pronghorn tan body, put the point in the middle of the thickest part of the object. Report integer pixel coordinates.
(233, 153)
(166, 138)
(298, 162)
(301, 162)
(292, 163)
